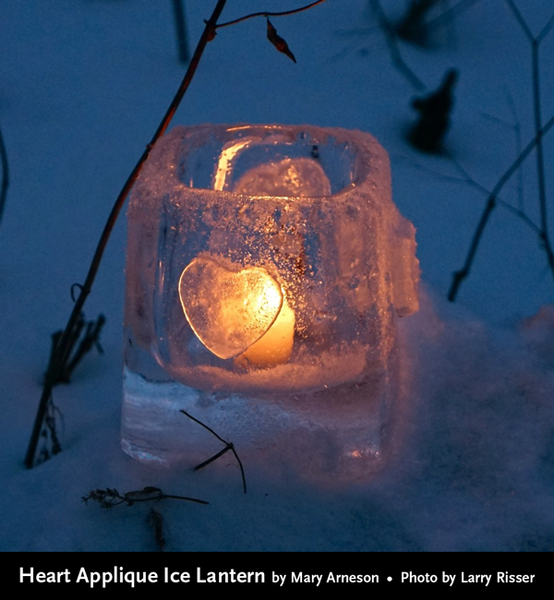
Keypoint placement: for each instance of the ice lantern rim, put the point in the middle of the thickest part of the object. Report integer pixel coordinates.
(371, 180)
(370, 162)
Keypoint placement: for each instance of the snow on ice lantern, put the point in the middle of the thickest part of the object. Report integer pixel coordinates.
(266, 267)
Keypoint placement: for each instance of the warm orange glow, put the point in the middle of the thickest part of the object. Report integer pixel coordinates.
(237, 313)
(275, 346)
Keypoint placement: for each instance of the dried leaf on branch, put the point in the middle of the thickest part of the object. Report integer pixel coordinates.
(278, 41)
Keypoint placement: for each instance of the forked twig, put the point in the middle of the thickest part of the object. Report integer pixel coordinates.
(518, 212)
(466, 179)
(535, 45)
(460, 275)
(228, 446)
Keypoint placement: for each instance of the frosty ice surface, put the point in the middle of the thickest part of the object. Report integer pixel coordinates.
(266, 268)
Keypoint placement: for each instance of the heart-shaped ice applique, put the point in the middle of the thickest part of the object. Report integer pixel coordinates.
(228, 310)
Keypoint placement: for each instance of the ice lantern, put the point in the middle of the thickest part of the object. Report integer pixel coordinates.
(266, 267)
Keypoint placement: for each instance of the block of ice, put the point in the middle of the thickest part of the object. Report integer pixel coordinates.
(266, 268)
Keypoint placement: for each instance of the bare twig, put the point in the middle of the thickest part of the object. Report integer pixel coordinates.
(91, 338)
(5, 174)
(518, 139)
(156, 520)
(466, 179)
(460, 275)
(535, 46)
(181, 31)
(80, 344)
(213, 458)
(545, 30)
(83, 344)
(266, 14)
(517, 132)
(519, 212)
(228, 446)
(110, 497)
(51, 442)
(448, 15)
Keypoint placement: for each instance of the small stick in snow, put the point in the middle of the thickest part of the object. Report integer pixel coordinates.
(228, 446)
(110, 497)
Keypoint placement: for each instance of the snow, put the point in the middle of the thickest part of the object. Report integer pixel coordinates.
(84, 85)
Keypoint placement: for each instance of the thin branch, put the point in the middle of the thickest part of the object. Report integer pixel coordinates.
(523, 24)
(205, 427)
(156, 520)
(228, 446)
(90, 339)
(540, 156)
(110, 497)
(517, 131)
(269, 14)
(518, 140)
(64, 344)
(241, 468)
(181, 31)
(212, 459)
(545, 30)
(521, 21)
(460, 275)
(448, 15)
(50, 427)
(535, 45)
(468, 180)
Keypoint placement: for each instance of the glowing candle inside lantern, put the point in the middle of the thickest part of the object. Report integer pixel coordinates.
(275, 346)
(240, 314)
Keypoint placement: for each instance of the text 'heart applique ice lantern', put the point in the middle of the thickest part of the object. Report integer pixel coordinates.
(266, 268)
